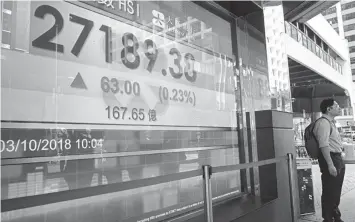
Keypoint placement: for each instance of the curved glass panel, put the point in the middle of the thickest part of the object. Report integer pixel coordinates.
(98, 97)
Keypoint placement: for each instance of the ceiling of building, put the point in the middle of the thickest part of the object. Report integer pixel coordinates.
(306, 83)
(302, 11)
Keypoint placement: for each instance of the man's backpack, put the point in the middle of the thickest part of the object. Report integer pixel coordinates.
(311, 143)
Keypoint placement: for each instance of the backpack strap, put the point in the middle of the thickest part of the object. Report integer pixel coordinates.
(330, 124)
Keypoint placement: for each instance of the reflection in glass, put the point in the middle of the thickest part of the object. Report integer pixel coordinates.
(309, 44)
(288, 28)
(304, 40)
(280, 97)
(324, 56)
(299, 36)
(294, 32)
(314, 47)
(109, 102)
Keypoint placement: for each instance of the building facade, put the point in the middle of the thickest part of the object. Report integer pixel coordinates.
(342, 18)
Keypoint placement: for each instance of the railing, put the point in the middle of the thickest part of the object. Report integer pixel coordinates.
(206, 173)
(349, 161)
(312, 46)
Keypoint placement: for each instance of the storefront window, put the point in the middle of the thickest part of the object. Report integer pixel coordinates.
(102, 93)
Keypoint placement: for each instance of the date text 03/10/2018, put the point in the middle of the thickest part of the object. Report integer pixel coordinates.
(36, 145)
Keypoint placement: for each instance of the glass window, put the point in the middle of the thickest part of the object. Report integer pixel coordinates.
(310, 33)
(333, 21)
(294, 32)
(351, 49)
(288, 28)
(6, 24)
(329, 11)
(350, 38)
(299, 36)
(324, 56)
(7, 5)
(348, 5)
(349, 27)
(313, 47)
(317, 51)
(349, 16)
(309, 43)
(325, 47)
(301, 27)
(304, 40)
(6, 38)
(318, 41)
(119, 95)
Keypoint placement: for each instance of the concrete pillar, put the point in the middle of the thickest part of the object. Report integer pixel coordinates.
(340, 19)
(274, 132)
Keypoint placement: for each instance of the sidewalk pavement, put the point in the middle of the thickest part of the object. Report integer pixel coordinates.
(347, 203)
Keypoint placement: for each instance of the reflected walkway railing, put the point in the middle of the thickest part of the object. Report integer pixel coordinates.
(312, 46)
(206, 173)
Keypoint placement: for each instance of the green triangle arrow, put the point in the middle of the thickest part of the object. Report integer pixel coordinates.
(78, 82)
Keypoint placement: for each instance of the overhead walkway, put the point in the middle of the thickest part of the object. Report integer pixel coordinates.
(314, 73)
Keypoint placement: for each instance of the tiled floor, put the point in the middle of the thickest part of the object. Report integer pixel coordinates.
(347, 205)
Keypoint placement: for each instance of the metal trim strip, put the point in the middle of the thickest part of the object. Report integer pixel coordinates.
(74, 125)
(29, 160)
(222, 169)
(43, 199)
(349, 161)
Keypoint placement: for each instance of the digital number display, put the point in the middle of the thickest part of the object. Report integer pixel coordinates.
(129, 55)
(113, 85)
(84, 62)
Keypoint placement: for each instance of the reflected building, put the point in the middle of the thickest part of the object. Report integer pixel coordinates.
(278, 70)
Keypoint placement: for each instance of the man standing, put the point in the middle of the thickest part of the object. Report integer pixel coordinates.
(330, 160)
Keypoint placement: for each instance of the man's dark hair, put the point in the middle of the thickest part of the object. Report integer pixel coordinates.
(325, 104)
